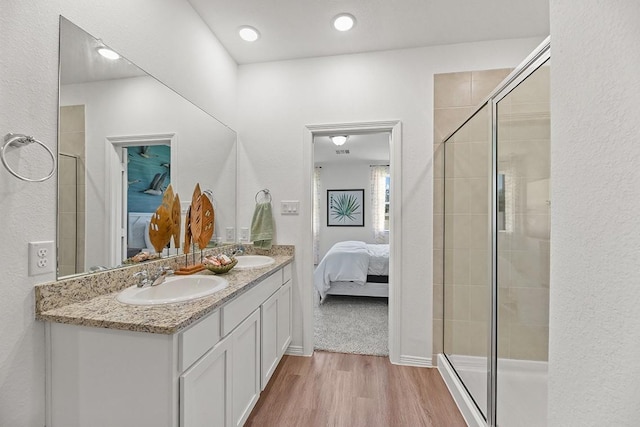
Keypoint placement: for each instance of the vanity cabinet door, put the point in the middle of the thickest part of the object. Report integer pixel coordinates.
(276, 330)
(205, 389)
(284, 318)
(245, 367)
(269, 329)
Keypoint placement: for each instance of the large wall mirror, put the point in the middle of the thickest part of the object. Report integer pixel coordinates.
(123, 137)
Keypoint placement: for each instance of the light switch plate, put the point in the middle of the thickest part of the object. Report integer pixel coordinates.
(290, 207)
(244, 234)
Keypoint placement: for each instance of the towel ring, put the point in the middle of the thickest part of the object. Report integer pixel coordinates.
(19, 140)
(267, 195)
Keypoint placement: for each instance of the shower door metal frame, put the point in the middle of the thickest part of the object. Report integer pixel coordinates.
(527, 67)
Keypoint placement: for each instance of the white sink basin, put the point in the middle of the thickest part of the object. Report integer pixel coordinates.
(173, 289)
(246, 262)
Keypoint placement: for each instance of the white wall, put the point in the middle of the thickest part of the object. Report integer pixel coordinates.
(344, 177)
(594, 348)
(276, 101)
(191, 60)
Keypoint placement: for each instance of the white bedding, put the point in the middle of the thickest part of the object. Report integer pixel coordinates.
(378, 260)
(350, 261)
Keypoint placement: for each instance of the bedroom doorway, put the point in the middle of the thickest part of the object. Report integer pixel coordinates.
(351, 226)
(350, 306)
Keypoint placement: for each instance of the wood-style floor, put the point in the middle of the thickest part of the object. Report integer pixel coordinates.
(335, 389)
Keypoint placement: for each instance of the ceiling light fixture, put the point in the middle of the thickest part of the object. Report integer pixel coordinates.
(339, 139)
(108, 53)
(344, 22)
(248, 34)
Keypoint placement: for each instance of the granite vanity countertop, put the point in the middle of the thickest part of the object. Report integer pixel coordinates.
(105, 311)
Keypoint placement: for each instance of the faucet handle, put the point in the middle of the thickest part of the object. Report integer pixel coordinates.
(165, 270)
(143, 278)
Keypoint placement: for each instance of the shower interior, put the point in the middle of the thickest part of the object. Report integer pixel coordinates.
(495, 252)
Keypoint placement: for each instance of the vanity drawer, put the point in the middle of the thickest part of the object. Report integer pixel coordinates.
(237, 310)
(198, 339)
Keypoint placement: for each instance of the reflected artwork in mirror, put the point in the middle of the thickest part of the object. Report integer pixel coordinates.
(123, 137)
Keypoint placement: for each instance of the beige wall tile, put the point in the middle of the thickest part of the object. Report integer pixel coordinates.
(456, 195)
(480, 159)
(531, 305)
(438, 195)
(479, 262)
(438, 231)
(479, 195)
(529, 342)
(438, 267)
(446, 120)
(478, 231)
(438, 297)
(72, 118)
(479, 303)
(452, 90)
(456, 267)
(478, 338)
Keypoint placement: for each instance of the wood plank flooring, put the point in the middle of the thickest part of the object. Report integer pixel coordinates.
(335, 389)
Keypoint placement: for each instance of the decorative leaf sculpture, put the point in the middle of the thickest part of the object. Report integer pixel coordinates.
(208, 217)
(167, 198)
(160, 228)
(176, 219)
(196, 214)
(187, 232)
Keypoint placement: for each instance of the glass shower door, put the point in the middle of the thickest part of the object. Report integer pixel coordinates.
(523, 227)
(467, 254)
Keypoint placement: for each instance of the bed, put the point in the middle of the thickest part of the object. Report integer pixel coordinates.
(353, 268)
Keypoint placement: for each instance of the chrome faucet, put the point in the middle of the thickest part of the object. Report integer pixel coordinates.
(163, 272)
(143, 278)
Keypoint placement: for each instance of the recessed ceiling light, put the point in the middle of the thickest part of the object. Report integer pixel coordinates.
(344, 22)
(339, 139)
(248, 34)
(108, 53)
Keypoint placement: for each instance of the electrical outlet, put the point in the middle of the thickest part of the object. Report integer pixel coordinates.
(244, 234)
(231, 234)
(41, 259)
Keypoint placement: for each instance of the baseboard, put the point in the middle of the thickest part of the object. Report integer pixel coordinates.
(295, 350)
(467, 408)
(424, 362)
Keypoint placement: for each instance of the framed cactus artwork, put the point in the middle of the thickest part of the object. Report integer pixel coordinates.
(345, 208)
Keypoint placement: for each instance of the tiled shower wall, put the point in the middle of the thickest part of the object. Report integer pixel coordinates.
(523, 248)
(71, 191)
(456, 95)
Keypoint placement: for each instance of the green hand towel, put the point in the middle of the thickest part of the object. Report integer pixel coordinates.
(262, 226)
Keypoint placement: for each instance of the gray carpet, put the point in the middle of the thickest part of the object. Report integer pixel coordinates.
(357, 325)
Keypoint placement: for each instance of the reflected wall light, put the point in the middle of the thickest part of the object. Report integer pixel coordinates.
(108, 53)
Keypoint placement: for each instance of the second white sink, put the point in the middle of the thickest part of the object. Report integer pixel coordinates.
(246, 262)
(174, 289)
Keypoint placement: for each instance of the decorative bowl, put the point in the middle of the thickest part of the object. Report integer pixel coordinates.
(221, 269)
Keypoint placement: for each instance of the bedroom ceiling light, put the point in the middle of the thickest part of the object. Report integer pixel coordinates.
(344, 22)
(339, 139)
(108, 53)
(248, 34)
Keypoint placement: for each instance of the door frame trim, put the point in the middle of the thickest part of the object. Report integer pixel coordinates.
(394, 128)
